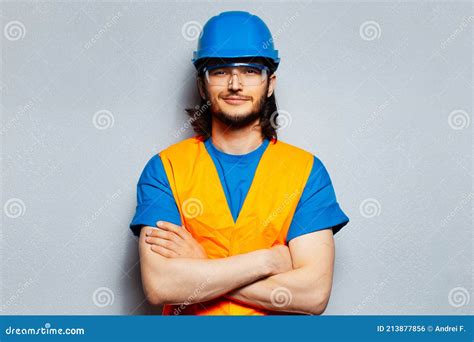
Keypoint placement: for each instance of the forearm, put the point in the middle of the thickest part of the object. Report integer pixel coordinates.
(172, 281)
(212, 278)
(293, 291)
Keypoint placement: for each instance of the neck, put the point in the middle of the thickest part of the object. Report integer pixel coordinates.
(239, 141)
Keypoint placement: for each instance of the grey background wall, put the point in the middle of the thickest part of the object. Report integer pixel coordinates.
(381, 92)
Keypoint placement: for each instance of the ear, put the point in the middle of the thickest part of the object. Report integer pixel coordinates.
(200, 84)
(271, 85)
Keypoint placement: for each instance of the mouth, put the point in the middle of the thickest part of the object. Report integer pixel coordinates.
(235, 100)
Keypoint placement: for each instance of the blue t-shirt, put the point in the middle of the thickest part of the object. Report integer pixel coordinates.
(316, 210)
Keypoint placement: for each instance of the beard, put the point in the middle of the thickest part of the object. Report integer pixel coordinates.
(241, 120)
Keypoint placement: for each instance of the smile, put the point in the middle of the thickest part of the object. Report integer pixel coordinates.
(233, 100)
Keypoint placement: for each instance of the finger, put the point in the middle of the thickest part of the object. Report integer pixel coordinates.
(171, 228)
(186, 231)
(160, 233)
(163, 251)
(163, 243)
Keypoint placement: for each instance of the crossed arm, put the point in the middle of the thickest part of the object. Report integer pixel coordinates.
(295, 279)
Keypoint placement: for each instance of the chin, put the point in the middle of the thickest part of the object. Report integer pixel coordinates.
(237, 110)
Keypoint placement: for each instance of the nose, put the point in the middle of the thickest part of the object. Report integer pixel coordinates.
(234, 82)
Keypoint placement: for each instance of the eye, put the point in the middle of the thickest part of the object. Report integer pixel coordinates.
(218, 72)
(252, 71)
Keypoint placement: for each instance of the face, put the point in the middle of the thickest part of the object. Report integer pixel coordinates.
(233, 104)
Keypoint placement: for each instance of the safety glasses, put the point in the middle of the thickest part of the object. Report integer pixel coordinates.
(248, 74)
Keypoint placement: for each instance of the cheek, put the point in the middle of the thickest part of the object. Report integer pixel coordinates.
(259, 93)
(215, 101)
(216, 104)
(213, 95)
(258, 97)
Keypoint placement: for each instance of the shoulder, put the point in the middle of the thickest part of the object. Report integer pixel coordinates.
(154, 163)
(315, 164)
(153, 170)
(319, 175)
(183, 146)
(318, 168)
(290, 150)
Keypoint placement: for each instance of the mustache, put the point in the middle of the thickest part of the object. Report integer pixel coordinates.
(236, 96)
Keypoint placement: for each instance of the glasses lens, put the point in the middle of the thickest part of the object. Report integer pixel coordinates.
(247, 75)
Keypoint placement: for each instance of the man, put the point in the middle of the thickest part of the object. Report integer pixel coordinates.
(233, 221)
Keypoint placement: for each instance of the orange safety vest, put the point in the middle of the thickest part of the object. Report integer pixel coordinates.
(264, 218)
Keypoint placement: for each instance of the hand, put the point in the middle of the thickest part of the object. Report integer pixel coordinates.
(172, 241)
(281, 259)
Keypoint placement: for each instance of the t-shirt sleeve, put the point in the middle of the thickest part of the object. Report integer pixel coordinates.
(155, 200)
(317, 208)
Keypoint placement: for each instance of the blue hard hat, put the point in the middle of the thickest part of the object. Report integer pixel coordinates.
(235, 34)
